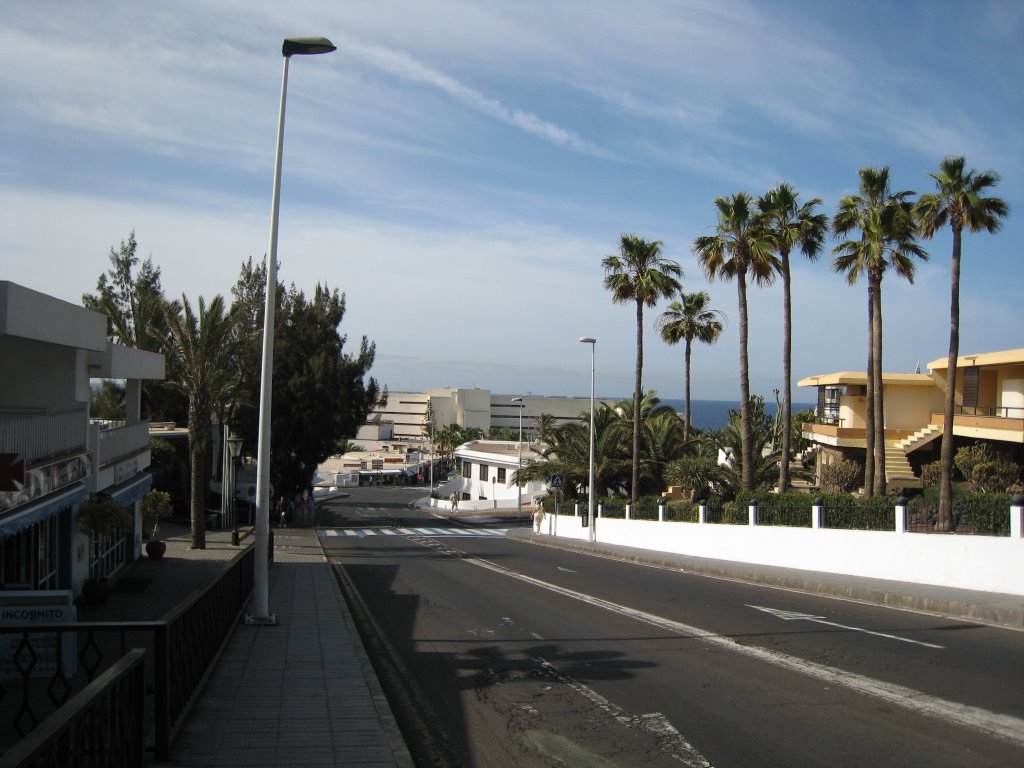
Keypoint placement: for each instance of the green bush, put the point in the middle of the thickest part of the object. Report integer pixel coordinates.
(842, 477)
(996, 476)
(681, 511)
(931, 475)
(968, 457)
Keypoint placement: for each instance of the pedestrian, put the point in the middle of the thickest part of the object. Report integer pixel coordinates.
(538, 515)
(282, 507)
(455, 502)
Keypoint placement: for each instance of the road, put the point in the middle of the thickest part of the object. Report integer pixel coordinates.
(502, 653)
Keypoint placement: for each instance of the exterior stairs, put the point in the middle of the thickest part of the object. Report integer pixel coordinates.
(898, 472)
(919, 439)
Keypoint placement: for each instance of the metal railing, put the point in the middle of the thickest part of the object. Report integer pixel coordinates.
(181, 652)
(996, 411)
(38, 435)
(102, 726)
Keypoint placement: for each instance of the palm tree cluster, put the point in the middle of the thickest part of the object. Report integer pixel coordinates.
(878, 230)
(213, 349)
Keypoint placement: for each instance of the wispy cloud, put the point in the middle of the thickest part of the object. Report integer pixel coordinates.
(405, 66)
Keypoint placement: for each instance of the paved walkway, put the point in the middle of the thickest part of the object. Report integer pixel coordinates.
(299, 693)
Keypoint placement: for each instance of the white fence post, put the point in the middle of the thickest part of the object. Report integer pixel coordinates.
(576, 509)
(817, 507)
(600, 510)
(661, 512)
(752, 513)
(901, 515)
(629, 509)
(1017, 517)
(702, 512)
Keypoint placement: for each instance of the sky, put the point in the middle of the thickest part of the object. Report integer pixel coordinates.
(460, 168)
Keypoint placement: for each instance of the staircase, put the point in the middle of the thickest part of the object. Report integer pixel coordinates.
(898, 473)
(919, 439)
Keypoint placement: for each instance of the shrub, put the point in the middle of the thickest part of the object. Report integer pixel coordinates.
(156, 505)
(843, 477)
(102, 516)
(994, 476)
(931, 474)
(968, 457)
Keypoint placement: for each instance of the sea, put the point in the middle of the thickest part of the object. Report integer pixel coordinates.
(714, 414)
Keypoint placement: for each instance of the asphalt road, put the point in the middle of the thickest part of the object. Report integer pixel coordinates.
(507, 653)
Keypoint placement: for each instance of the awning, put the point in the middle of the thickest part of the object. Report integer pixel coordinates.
(130, 491)
(44, 508)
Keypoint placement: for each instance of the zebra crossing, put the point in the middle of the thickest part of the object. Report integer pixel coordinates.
(410, 531)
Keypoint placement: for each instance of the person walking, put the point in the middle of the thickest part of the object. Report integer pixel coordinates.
(455, 502)
(538, 515)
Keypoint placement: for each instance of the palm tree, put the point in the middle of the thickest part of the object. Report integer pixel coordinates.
(199, 345)
(639, 274)
(790, 224)
(687, 319)
(543, 426)
(959, 203)
(886, 223)
(737, 248)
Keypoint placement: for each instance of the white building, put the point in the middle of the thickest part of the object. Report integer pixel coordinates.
(52, 456)
(404, 416)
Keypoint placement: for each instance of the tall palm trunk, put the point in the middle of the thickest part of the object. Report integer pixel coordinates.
(746, 437)
(876, 373)
(686, 388)
(635, 490)
(945, 521)
(787, 375)
(869, 402)
(199, 439)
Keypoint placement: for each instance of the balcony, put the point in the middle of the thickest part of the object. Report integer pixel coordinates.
(120, 451)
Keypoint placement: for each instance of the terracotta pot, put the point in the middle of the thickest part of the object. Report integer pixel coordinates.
(155, 548)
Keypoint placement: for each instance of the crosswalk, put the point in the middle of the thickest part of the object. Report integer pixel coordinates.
(418, 531)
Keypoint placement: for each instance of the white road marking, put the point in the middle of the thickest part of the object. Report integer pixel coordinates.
(1001, 726)
(671, 740)
(793, 616)
(566, 570)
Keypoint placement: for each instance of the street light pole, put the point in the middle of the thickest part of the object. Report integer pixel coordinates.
(590, 488)
(292, 46)
(519, 485)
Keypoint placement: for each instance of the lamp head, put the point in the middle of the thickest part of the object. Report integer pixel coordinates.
(588, 339)
(306, 46)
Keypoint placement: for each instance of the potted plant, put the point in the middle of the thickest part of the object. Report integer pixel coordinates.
(101, 516)
(156, 505)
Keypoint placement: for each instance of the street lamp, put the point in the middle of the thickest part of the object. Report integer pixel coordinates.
(293, 46)
(590, 489)
(234, 451)
(519, 485)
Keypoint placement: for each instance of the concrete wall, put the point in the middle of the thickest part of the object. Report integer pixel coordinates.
(985, 563)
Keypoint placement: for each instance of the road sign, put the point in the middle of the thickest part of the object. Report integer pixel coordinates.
(557, 481)
(12, 472)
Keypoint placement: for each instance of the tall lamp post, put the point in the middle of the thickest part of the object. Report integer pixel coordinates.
(292, 46)
(519, 484)
(590, 487)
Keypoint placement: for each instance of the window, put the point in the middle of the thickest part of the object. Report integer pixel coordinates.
(466, 468)
(483, 472)
(501, 474)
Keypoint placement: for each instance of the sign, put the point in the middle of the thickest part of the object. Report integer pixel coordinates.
(557, 481)
(39, 607)
(12, 472)
(377, 463)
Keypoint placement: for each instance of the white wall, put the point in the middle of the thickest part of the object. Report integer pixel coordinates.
(984, 563)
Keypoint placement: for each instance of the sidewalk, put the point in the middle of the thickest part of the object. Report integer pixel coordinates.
(984, 607)
(301, 693)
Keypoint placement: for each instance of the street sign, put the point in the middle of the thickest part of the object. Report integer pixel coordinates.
(12, 472)
(557, 481)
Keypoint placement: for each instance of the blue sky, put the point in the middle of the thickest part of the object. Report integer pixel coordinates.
(459, 169)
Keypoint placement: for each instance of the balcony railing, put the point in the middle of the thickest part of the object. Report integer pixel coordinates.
(995, 411)
(38, 434)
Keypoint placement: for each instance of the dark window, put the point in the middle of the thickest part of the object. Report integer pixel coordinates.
(483, 472)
